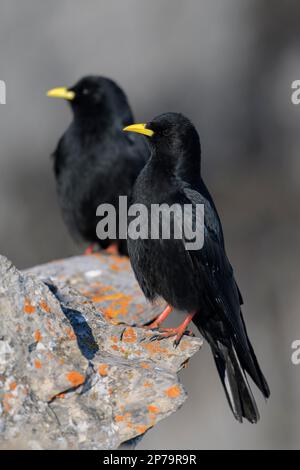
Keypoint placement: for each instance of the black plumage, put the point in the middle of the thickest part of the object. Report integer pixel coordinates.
(95, 162)
(199, 281)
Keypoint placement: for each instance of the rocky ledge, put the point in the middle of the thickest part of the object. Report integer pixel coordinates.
(76, 372)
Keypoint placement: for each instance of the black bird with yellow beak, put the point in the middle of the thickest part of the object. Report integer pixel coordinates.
(95, 162)
(197, 281)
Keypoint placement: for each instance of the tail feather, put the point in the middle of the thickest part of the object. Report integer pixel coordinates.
(235, 382)
(254, 369)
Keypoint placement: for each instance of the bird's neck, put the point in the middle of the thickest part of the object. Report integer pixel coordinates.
(163, 162)
(92, 124)
(189, 166)
(186, 165)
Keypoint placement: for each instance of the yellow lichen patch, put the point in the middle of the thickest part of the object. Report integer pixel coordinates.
(44, 306)
(104, 298)
(110, 313)
(129, 335)
(28, 307)
(37, 364)
(103, 369)
(37, 336)
(75, 378)
(173, 392)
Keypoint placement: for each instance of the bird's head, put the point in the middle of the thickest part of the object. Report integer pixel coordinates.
(170, 133)
(94, 95)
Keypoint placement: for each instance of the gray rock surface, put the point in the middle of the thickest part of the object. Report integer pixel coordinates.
(75, 370)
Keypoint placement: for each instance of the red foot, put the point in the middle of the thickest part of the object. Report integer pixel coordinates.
(179, 331)
(90, 249)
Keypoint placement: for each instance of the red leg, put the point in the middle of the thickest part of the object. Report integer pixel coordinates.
(161, 318)
(90, 249)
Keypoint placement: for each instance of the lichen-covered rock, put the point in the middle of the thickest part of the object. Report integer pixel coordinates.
(75, 371)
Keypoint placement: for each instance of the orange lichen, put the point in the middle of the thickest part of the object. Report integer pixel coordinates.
(103, 369)
(37, 364)
(147, 384)
(118, 304)
(119, 418)
(13, 386)
(60, 395)
(6, 404)
(106, 288)
(173, 392)
(114, 339)
(70, 333)
(153, 409)
(155, 348)
(37, 336)
(75, 378)
(129, 335)
(28, 307)
(144, 365)
(114, 347)
(141, 428)
(44, 306)
(115, 267)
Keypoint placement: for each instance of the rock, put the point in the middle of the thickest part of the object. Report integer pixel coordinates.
(75, 370)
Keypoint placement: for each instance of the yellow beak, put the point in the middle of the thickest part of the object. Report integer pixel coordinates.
(61, 92)
(140, 129)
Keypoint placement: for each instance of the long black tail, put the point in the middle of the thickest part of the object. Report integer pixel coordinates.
(232, 363)
(235, 383)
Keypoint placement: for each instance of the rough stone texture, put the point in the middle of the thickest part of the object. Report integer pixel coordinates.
(70, 376)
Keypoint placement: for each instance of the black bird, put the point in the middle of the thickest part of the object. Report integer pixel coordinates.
(201, 281)
(95, 162)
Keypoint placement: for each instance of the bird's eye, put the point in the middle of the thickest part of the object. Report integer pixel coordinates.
(85, 91)
(166, 132)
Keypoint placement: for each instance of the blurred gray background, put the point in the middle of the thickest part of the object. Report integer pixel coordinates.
(228, 65)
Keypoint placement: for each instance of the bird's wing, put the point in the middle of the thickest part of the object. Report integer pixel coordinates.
(224, 294)
(213, 266)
